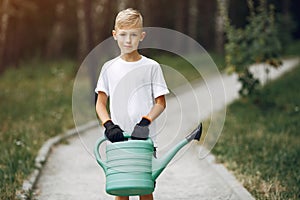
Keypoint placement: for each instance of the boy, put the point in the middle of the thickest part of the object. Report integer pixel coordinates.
(134, 84)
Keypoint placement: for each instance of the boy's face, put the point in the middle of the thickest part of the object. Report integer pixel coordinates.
(128, 39)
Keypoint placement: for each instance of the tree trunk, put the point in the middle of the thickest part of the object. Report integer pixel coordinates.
(220, 25)
(122, 4)
(181, 16)
(181, 23)
(104, 17)
(85, 34)
(193, 16)
(55, 43)
(150, 11)
(286, 7)
(3, 31)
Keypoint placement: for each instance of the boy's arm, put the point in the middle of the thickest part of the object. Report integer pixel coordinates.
(101, 107)
(112, 132)
(141, 130)
(158, 108)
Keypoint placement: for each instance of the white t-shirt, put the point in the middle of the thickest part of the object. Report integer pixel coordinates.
(132, 88)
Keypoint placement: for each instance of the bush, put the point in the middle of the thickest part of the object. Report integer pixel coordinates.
(257, 42)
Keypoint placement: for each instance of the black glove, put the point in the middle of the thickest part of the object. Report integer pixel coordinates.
(141, 130)
(113, 132)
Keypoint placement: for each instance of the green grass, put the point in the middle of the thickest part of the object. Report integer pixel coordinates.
(260, 142)
(189, 68)
(35, 104)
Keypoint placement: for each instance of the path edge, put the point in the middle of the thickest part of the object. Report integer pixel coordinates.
(236, 186)
(25, 192)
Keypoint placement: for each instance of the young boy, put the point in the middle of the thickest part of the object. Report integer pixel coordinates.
(134, 84)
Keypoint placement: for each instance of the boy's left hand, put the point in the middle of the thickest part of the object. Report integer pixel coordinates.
(141, 130)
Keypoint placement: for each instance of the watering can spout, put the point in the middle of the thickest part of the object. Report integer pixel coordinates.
(160, 164)
(196, 134)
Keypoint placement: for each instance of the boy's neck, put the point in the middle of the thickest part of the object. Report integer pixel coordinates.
(131, 57)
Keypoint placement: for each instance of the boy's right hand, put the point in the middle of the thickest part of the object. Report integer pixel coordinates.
(113, 132)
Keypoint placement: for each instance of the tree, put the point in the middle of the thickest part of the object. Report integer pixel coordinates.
(3, 30)
(219, 26)
(56, 39)
(85, 33)
(181, 19)
(122, 4)
(193, 16)
(104, 12)
(257, 42)
(13, 28)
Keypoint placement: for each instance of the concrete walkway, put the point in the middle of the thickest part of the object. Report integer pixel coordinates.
(71, 171)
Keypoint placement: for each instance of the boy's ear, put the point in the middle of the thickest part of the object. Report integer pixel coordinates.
(143, 35)
(114, 34)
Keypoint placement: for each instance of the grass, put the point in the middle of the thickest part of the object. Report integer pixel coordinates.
(260, 142)
(35, 105)
(189, 68)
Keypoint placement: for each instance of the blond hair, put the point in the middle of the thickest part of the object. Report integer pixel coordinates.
(129, 18)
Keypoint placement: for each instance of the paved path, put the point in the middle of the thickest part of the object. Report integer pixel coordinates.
(71, 171)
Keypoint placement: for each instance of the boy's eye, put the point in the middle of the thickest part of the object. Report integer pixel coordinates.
(122, 34)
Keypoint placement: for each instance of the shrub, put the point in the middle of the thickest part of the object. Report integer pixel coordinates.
(257, 42)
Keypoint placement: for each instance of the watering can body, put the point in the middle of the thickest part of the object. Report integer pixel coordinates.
(130, 167)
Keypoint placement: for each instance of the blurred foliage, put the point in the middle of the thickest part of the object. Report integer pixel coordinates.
(42, 25)
(52, 29)
(286, 26)
(293, 49)
(257, 42)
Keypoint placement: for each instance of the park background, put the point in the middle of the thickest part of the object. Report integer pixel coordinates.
(42, 44)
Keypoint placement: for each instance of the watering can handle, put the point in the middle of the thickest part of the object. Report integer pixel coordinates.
(96, 150)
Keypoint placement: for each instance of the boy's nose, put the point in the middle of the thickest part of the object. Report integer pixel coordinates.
(128, 39)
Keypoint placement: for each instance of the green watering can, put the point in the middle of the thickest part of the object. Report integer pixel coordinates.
(130, 166)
